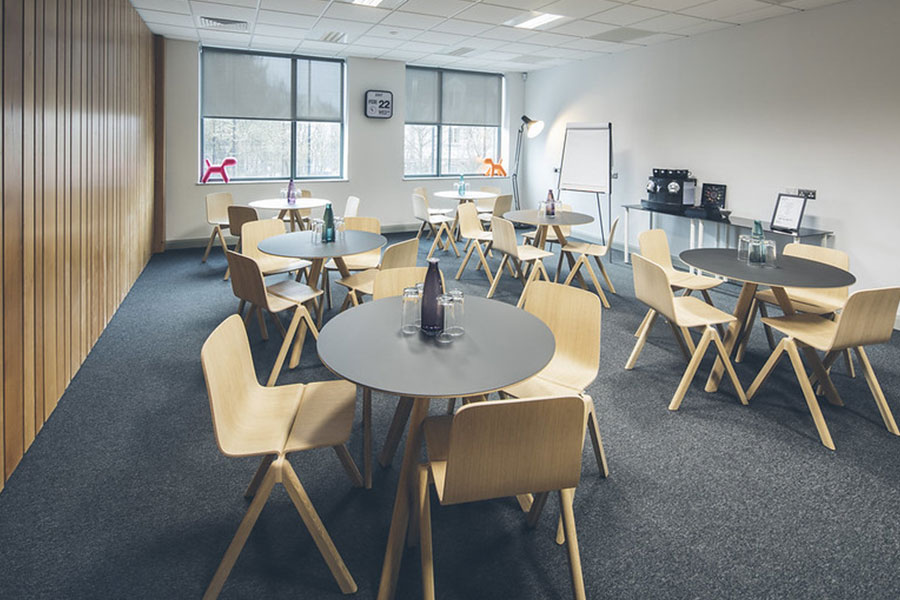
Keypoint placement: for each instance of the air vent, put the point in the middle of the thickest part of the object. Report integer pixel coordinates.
(222, 24)
(334, 37)
(461, 51)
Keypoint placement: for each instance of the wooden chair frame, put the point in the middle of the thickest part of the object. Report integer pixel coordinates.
(217, 215)
(505, 242)
(584, 251)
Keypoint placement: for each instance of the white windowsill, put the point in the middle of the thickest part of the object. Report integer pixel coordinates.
(271, 182)
(453, 177)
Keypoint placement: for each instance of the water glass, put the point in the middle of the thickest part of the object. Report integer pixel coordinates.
(339, 228)
(411, 314)
(744, 248)
(318, 227)
(445, 302)
(771, 253)
(420, 289)
(453, 321)
(284, 193)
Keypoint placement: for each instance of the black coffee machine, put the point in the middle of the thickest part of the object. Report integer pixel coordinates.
(670, 190)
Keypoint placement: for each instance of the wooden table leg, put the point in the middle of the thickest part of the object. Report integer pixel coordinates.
(741, 311)
(393, 554)
(571, 259)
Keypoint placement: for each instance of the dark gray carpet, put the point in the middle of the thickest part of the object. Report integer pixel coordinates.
(124, 493)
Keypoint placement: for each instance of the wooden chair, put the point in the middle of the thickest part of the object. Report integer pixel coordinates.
(272, 422)
(352, 207)
(816, 301)
(652, 286)
(237, 216)
(250, 288)
(486, 205)
(530, 236)
(399, 255)
(471, 231)
(502, 205)
(499, 449)
(253, 232)
(584, 251)
(439, 224)
(504, 238)
(217, 215)
(423, 191)
(866, 319)
(573, 315)
(355, 262)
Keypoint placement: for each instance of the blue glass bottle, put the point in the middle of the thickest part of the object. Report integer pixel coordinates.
(432, 312)
(328, 228)
(462, 185)
(757, 246)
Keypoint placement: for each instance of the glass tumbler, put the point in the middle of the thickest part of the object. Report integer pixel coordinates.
(339, 227)
(411, 314)
(744, 248)
(771, 253)
(420, 289)
(445, 302)
(455, 326)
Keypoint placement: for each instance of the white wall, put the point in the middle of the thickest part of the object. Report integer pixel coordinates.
(810, 100)
(374, 167)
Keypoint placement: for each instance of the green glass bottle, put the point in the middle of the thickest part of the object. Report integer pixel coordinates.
(328, 229)
(757, 244)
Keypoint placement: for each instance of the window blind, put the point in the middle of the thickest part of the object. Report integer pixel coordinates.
(246, 86)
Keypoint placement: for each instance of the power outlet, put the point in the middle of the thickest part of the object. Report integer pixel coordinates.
(808, 194)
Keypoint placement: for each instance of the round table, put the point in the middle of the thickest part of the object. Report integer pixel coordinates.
(563, 218)
(467, 196)
(292, 210)
(502, 345)
(788, 271)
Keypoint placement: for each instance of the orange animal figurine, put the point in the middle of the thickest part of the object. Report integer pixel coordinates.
(494, 169)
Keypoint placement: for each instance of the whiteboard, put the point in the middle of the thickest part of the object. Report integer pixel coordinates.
(586, 160)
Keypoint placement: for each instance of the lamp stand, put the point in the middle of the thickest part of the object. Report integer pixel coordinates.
(515, 174)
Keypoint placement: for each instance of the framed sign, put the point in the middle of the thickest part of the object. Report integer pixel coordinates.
(713, 194)
(379, 104)
(788, 213)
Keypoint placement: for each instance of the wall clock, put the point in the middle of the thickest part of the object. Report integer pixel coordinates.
(379, 104)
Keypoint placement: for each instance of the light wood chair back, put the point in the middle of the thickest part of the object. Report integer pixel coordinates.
(502, 205)
(655, 247)
(217, 207)
(829, 256)
(420, 207)
(370, 224)
(505, 237)
(868, 318)
(401, 254)
(651, 286)
(352, 207)
(238, 215)
(573, 315)
(247, 281)
(491, 189)
(510, 447)
(422, 191)
(469, 223)
(488, 203)
(230, 383)
(391, 282)
(253, 232)
(305, 194)
(612, 234)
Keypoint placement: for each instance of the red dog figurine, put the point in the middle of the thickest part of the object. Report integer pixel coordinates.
(220, 169)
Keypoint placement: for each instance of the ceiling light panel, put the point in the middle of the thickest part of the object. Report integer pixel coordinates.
(536, 20)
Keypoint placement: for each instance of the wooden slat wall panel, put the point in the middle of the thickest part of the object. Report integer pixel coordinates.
(76, 194)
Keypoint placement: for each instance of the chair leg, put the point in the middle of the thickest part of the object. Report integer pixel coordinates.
(821, 375)
(263, 330)
(503, 262)
(395, 431)
(562, 254)
(766, 370)
(317, 530)
(875, 388)
(566, 501)
(603, 272)
(349, 465)
(240, 537)
(640, 329)
(808, 394)
(259, 475)
(729, 368)
(434, 244)
(367, 437)
(536, 270)
(483, 262)
(278, 324)
(425, 549)
(209, 245)
(770, 337)
(241, 305)
(326, 287)
(537, 506)
(849, 361)
(691, 369)
(285, 345)
(597, 443)
(421, 229)
(596, 283)
(465, 261)
(573, 271)
(745, 332)
(639, 345)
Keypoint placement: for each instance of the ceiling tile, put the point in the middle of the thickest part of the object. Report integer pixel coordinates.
(378, 42)
(275, 44)
(761, 14)
(303, 7)
(583, 28)
(548, 39)
(670, 22)
(276, 31)
(622, 34)
(243, 3)
(807, 4)
(422, 47)
(723, 9)
(402, 55)
(319, 48)
(390, 32)
(626, 15)
(488, 13)
(361, 51)
(283, 19)
(668, 4)
(520, 4)
(481, 43)
(224, 38)
(352, 28)
(462, 27)
(506, 33)
(566, 53)
(405, 19)
(578, 9)
(178, 33)
(496, 55)
(353, 12)
(703, 27)
(210, 9)
(519, 48)
(166, 18)
(440, 8)
(597, 46)
(174, 6)
(437, 37)
(656, 38)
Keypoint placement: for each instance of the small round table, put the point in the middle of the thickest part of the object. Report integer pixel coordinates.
(468, 196)
(294, 211)
(788, 271)
(543, 223)
(502, 345)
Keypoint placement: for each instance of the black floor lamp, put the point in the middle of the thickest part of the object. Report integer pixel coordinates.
(533, 128)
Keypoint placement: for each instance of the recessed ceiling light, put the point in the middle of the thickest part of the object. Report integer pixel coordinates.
(537, 20)
(367, 2)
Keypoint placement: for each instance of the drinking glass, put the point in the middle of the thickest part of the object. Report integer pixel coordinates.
(771, 253)
(445, 302)
(339, 227)
(284, 193)
(744, 248)
(410, 315)
(318, 227)
(454, 325)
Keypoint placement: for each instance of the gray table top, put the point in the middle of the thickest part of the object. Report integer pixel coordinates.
(537, 217)
(502, 345)
(742, 222)
(787, 271)
(301, 244)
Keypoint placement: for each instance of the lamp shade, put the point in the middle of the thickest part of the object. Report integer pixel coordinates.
(534, 128)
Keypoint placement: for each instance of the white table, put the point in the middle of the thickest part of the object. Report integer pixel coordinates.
(293, 210)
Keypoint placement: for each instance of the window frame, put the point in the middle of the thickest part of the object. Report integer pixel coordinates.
(440, 124)
(293, 120)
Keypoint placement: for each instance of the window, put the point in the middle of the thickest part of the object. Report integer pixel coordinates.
(452, 121)
(279, 116)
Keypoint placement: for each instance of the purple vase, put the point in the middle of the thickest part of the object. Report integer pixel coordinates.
(432, 311)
